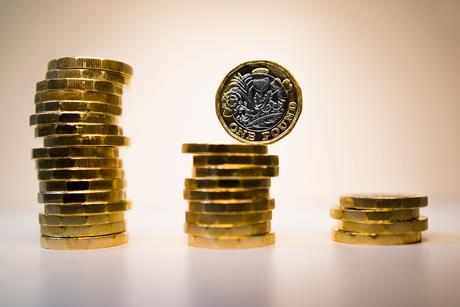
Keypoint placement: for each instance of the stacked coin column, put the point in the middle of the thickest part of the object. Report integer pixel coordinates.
(229, 204)
(81, 179)
(379, 219)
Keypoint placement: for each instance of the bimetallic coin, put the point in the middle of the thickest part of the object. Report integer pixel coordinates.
(83, 117)
(82, 185)
(224, 194)
(258, 102)
(94, 74)
(232, 242)
(376, 239)
(87, 140)
(224, 148)
(216, 232)
(392, 215)
(87, 208)
(75, 151)
(81, 197)
(59, 129)
(384, 227)
(227, 219)
(77, 106)
(80, 84)
(76, 220)
(83, 242)
(235, 171)
(235, 159)
(81, 95)
(78, 162)
(92, 63)
(223, 207)
(380, 201)
(81, 173)
(83, 231)
(207, 183)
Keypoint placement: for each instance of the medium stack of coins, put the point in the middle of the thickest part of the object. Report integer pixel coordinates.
(386, 219)
(229, 204)
(81, 179)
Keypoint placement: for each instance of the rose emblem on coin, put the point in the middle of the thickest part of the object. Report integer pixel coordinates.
(258, 102)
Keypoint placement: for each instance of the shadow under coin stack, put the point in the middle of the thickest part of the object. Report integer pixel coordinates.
(81, 179)
(386, 219)
(229, 204)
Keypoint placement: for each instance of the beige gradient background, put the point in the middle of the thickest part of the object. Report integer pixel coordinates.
(380, 81)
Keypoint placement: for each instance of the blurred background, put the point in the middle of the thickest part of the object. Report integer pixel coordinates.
(380, 81)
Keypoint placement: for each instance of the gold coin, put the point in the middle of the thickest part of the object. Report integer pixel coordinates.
(83, 117)
(224, 148)
(81, 197)
(81, 173)
(87, 209)
(235, 171)
(76, 220)
(227, 219)
(221, 194)
(80, 84)
(77, 106)
(82, 231)
(87, 140)
(58, 129)
(378, 201)
(393, 215)
(258, 102)
(95, 74)
(92, 63)
(235, 159)
(78, 162)
(232, 242)
(208, 183)
(75, 151)
(82, 185)
(222, 207)
(80, 95)
(376, 239)
(84, 242)
(213, 232)
(384, 227)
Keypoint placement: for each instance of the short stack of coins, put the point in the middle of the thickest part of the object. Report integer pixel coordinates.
(379, 219)
(81, 177)
(229, 203)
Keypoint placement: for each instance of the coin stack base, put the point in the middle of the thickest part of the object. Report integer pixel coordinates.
(81, 177)
(229, 204)
(379, 219)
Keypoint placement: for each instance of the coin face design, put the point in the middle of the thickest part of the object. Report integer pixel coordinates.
(258, 102)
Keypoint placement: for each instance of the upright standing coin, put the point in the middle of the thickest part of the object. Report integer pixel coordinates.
(258, 102)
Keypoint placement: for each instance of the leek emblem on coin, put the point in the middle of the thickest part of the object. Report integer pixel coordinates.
(258, 102)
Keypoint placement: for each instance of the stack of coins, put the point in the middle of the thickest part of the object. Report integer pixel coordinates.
(385, 219)
(229, 204)
(81, 179)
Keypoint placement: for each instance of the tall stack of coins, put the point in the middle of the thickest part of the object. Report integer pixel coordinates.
(385, 219)
(229, 204)
(81, 179)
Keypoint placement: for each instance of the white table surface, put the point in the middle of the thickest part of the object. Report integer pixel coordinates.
(305, 268)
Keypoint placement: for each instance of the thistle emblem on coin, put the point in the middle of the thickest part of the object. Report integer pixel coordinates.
(258, 102)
